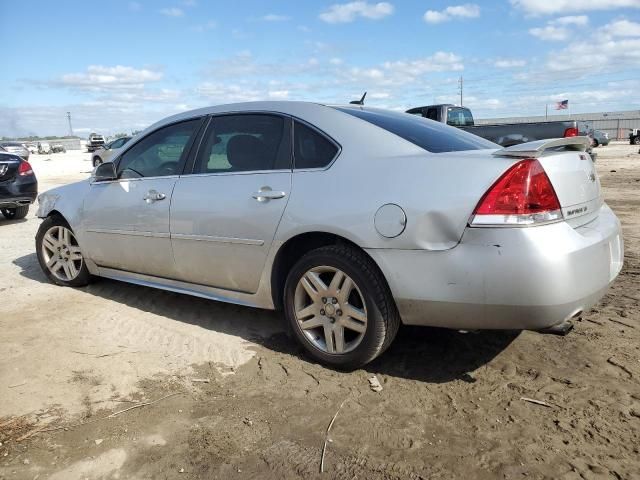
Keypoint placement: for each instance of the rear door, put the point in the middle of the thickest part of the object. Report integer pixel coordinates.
(126, 221)
(225, 214)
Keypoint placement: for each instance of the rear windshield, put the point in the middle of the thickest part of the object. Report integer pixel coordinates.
(431, 136)
(459, 117)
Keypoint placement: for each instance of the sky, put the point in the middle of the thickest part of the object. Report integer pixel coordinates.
(119, 66)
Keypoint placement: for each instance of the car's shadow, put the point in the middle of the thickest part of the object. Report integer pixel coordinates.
(418, 353)
(4, 221)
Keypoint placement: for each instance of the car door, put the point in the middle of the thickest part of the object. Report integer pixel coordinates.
(225, 214)
(126, 221)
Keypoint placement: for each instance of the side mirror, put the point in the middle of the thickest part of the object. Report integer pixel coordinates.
(105, 172)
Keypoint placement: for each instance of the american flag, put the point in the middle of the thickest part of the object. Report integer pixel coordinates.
(563, 105)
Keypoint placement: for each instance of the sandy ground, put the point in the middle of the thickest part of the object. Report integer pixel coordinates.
(450, 406)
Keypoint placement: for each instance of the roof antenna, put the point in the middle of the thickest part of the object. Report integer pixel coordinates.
(359, 102)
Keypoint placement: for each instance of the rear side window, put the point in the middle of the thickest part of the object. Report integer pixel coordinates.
(311, 149)
(245, 142)
(432, 136)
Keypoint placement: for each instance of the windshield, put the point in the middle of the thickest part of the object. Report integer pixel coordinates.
(431, 136)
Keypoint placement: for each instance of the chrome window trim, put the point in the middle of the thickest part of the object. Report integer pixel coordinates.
(121, 180)
(220, 174)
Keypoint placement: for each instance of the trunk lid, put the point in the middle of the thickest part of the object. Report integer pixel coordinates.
(8, 168)
(571, 171)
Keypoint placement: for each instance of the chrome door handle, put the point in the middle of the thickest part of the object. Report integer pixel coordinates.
(265, 194)
(153, 196)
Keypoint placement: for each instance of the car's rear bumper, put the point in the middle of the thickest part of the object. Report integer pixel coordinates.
(16, 193)
(507, 278)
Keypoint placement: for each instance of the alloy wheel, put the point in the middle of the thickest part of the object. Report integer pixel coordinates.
(330, 310)
(61, 253)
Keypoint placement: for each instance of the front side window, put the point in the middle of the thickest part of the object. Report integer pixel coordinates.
(245, 142)
(311, 149)
(160, 153)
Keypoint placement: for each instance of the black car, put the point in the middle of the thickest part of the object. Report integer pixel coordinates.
(18, 186)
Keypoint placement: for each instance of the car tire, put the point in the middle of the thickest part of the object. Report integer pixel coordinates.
(365, 313)
(637, 140)
(15, 213)
(59, 254)
(596, 144)
(96, 161)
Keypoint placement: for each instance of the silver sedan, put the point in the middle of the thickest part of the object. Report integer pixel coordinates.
(351, 219)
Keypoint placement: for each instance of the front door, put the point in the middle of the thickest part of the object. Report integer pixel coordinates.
(126, 221)
(224, 216)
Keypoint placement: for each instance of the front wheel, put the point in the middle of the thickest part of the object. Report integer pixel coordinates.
(59, 254)
(339, 307)
(15, 213)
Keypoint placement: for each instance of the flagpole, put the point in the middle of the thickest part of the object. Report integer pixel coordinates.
(546, 111)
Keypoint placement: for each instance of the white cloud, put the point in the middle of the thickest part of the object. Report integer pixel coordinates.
(273, 17)
(560, 28)
(99, 78)
(550, 33)
(546, 7)
(348, 12)
(278, 94)
(571, 20)
(509, 63)
(468, 10)
(622, 28)
(172, 12)
(210, 25)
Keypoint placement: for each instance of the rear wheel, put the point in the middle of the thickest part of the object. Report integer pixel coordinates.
(596, 144)
(59, 254)
(15, 213)
(637, 140)
(339, 307)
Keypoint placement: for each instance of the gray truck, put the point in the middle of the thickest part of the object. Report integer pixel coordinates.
(505, 134)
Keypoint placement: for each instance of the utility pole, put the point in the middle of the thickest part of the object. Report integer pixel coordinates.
(546, 111)
(460, 85)
(70, 127)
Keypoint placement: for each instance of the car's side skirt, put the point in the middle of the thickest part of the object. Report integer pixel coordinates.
(211, 293)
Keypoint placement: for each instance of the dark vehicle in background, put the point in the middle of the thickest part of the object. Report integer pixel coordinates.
(95, 141)
(505, 134)
(16, 148)
(104, 153)
(18, 186)
(634, 136)
(598, 137)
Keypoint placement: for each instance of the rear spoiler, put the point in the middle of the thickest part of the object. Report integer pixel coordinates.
(537, 148)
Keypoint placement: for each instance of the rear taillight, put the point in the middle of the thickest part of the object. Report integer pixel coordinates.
(523, 196)
(571, 132)
(25, 169)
